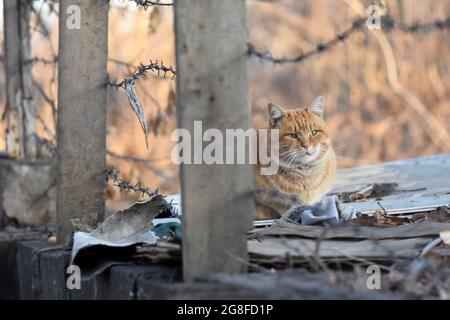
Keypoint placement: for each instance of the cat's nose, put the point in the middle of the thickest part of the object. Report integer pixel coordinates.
(306, 145)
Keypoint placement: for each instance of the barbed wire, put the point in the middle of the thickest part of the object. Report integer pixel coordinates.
(38, 60)
(359, 24)
(158, 67)
(149, 3)
(129, 85)
(168, 209)
(266, 55)
(113, 174)
(415, 27)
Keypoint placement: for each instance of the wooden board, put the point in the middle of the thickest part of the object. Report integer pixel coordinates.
(413, 230)
(212, 87)
(304, 248)
(82, 100)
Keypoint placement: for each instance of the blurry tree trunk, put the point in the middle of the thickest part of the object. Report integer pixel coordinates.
(401, 10)
(212, 87)
(81, 128)
(20, 108)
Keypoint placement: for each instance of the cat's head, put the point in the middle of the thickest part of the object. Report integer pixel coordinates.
(304, 136)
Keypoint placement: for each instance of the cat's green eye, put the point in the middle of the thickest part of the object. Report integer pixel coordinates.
(314, 133)
(293, 135)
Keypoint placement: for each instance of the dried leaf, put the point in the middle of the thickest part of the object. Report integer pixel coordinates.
(380, 219)
(137, 108)
(376, 190)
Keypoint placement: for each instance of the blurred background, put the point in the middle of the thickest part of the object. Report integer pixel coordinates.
(388, 94)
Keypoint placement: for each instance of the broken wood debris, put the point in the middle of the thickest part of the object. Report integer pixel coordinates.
(282, 228)
(161, 252)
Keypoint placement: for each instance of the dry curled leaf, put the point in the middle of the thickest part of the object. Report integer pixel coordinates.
(137, 107)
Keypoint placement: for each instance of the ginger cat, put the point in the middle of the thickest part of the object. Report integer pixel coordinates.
(307, 162)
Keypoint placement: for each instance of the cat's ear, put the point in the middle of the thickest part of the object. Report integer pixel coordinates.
(318, 106)
(276, 114)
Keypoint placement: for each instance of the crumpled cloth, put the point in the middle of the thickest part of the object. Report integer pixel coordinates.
(327, 211)
(168, 230)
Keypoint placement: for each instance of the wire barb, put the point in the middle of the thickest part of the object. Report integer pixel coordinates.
(43, 61)
(158, 67)
(359, 24)
(126, 185)
(149, 3)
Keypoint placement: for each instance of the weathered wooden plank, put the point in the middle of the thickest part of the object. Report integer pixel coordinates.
(42, 268)
(83, 54)
(282, 228)
(293, 284)
(122, 282)
(276, 248)
(212, 87)
(43, 276)
(26, 259)
(9, 280)
(20, 134)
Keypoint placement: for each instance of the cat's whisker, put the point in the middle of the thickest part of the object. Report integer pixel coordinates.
(285, 157)
(288, 158)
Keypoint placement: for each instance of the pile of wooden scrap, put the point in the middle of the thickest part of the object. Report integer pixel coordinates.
(403, 229)
(162, 252)
(286, 243)
(412, 253)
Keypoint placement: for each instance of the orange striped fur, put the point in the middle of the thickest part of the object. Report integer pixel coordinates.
(307, 164)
